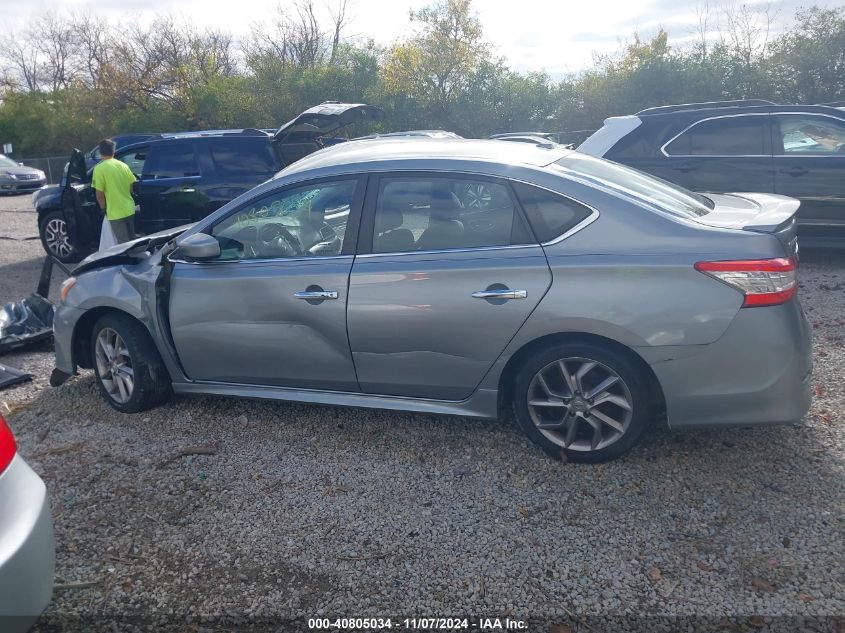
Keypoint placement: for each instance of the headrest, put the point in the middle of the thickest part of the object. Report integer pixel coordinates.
(444, 205)
(388, 218)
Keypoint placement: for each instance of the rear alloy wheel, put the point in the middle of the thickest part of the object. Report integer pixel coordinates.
(129, 371)
(586, 402)
(56, 239)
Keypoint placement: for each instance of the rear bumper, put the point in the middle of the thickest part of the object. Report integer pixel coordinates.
(27, 550)
(757, 373)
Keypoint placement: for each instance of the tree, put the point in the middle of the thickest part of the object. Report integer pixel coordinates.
(297, 37)
(440, 61)
(808, 62)
(42, 57)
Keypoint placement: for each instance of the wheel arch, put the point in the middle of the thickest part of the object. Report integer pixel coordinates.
(518, 359)
(82, 331)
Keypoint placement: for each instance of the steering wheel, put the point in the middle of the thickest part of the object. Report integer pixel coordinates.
(280, 241)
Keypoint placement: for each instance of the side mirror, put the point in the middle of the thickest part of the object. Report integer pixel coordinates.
(199, 247)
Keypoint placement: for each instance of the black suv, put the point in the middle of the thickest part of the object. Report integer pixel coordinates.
(733, 146)
(184, 177)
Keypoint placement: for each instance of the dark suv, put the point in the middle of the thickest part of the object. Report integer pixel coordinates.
(182, 178)
(734, 146)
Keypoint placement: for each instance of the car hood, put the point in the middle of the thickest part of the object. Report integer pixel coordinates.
(128, 251)
(327, 118)
(46, 193)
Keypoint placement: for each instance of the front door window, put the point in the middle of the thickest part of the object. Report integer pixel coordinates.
(301, 222)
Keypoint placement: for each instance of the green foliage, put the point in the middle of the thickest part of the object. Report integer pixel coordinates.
(444, 75)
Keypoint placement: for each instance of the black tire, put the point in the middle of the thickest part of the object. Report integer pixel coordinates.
(633, 387)
(150, 381)
(55, 239)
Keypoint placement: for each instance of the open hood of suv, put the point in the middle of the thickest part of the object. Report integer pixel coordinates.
(327, 118)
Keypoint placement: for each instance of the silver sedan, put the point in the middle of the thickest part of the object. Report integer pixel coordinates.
(452, 276)
(27, 552)
(16, 177)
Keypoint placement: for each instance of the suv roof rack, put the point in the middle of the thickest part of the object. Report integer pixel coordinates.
(250, 131)
(707, 104)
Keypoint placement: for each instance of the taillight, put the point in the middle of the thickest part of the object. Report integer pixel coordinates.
(7, 445)
(764, 282)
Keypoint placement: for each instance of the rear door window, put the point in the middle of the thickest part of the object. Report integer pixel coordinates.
(422, 213)
(808, 134)
(171, 161)
(722, 136)
(240, 157)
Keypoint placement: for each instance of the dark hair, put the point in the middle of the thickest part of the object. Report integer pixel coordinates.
(107, 147)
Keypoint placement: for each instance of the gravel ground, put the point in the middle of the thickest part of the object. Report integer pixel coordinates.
(306, 511)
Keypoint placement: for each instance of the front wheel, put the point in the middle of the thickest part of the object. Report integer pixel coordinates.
(129, 370)
(582, 401)
(56, 239)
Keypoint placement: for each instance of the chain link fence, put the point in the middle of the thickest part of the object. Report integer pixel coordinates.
(53, 166)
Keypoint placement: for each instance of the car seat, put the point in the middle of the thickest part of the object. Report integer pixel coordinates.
(390, 237)
(444, 230)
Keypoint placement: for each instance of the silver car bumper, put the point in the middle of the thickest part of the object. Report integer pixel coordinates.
(27, 550)
(16, 186)
(758, 372)
(64, 322)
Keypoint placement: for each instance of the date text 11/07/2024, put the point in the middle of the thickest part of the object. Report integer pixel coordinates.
(418, 624)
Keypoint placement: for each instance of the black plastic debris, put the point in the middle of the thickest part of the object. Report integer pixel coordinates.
(23, 322)
(10, 376)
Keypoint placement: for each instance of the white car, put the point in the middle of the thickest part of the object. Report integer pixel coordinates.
(27, 550)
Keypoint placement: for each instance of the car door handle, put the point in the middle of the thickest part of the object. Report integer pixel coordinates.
(795, 171)
(188, 189)
(319, 295)
(500, 294)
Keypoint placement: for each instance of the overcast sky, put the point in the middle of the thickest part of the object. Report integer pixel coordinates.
(558, 36)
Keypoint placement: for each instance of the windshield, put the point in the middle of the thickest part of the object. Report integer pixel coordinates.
(664, 195)
(5, 161)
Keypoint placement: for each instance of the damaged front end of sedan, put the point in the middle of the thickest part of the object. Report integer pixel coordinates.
(140, 288)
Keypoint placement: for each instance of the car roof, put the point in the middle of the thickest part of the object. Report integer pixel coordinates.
(722, 108)
(245, 134)
(439, 150)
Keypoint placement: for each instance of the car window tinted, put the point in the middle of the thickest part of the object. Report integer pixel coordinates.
(135, 160)
(242, 157)
(432, 213)
(804, 134)
(726, 136)
(549, 214)
(171, 161)
(305, 221)
(633, 183)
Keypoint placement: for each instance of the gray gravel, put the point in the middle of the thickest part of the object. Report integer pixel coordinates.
(305, 511)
